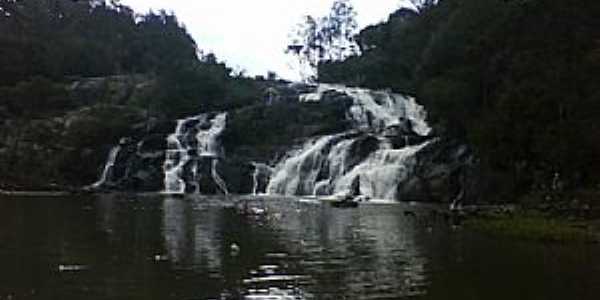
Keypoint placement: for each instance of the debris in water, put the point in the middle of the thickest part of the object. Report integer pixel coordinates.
(235, 249)
(161, 257)
(72, 268)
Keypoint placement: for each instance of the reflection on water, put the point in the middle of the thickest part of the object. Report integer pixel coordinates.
(156, 247)
(295, 250)
(191, 233)
(348, 252)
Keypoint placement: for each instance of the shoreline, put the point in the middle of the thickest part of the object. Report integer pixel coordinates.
(500, 221)
(536, 226)
(38, 193)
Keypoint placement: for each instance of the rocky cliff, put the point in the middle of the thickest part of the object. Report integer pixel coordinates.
(64, 148)
(297, 140)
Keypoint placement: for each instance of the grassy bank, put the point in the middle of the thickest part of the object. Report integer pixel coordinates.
(535, 227)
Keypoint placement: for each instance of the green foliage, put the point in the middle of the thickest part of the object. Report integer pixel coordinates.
(86, 38)
(58, 128)
(201, 86)
(61, 39)
(533, 227)
(516, 79)
(92, 127)
(34, 98)
(329, 38)
(266, 131)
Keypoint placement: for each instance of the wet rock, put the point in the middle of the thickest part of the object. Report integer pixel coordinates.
(445, 169)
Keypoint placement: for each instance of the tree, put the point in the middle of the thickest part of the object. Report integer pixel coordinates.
(339, 29)
(329, 38)
(422, 5)
(526, 100)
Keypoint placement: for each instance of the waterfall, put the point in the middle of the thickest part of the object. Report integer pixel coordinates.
(108, 167)
(329, 165)
(194, 144)
(298, 173)
(255, 179)
(176, 158)
(207, 138)
(374, 155)
(337, 165)
(218, 180)
(381, 173)
(376, 110)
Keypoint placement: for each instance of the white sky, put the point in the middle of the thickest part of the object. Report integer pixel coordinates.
(253, 34)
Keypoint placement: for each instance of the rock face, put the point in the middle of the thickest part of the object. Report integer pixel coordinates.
(301, 140)
(180, 162)
(113, 90)
(345, 140)
(66, 148)
(445, 172)
(374, 154)
(134, 165)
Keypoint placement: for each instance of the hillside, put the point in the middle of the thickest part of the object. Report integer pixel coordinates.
(517, 80)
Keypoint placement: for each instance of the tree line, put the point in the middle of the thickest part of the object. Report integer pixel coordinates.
(60, 40)
(516, 79)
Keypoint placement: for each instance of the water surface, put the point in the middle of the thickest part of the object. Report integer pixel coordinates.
(159, 247)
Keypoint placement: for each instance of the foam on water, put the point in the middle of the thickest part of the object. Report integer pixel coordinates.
(322, 165)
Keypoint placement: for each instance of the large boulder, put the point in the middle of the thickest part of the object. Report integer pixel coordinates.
(445, 171)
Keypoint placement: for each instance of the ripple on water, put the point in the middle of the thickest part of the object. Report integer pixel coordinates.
(179, 248)
(275, 294)
(271, 282)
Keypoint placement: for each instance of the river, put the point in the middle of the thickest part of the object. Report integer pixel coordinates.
(160, 247)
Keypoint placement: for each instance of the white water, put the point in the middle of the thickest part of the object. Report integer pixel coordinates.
(110, 163)
(297, 174)
(194, 141)
(207, 138)
(381, 173)
(217, 178)
(377, 110)
(337, 166)
(322, 165)
(176, 158)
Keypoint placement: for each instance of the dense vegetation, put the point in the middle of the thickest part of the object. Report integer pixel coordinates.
(76, 76)
(262, 131)
(516, 79)
(59, 40)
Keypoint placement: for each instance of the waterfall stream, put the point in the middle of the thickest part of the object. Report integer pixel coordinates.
(194, 144)
(376, 110)
(108, 167)
(373, 156)
(329, 165)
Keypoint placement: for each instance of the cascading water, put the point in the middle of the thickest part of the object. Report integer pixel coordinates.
(375, 155)
(217, 178)
(194, 144)
(380, 174)
(377, 110)
(297, 174)
(177, 157)
(330, 165)
(108, 167)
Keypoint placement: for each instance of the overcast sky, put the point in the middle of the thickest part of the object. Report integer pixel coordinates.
(252, 34)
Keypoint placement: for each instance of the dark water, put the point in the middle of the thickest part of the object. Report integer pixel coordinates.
(155, 247)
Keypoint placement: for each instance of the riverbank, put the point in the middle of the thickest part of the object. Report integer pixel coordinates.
(47, 192)
(499, 221)
(536, 226)
(36, 193)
